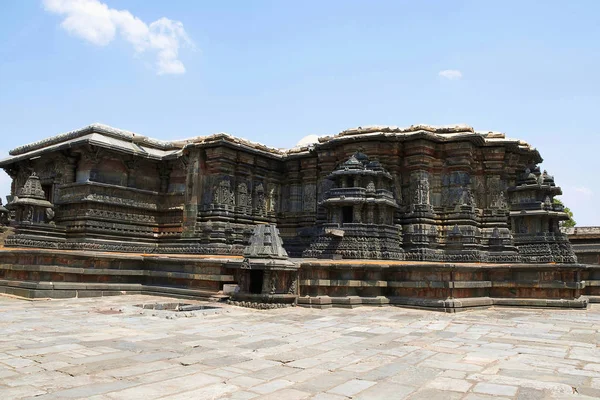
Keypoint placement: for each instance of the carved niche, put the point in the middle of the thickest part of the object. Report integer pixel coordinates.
(272, 197)
(309, 198)
(420, 192)
(222, 194)
(260, 199)
(243, 197)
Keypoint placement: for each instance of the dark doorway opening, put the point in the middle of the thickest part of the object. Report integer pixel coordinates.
(347, 215)
(350, 181)
(256, 281)
(47, 192)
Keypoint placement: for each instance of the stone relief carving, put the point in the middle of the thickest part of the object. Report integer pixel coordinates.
(421, 191)
(309, 198)
(273, 197)
(49, 215)
(223, 194)
(273, 283)
(370, 186)
(485, 189)
(497, 196)
(499, 201)
(293, 287)
(243, 199)
(478, 185)
(164, 174)
(261, 202)
(467, 198)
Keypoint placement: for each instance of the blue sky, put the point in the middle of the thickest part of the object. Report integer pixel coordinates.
(275, 71)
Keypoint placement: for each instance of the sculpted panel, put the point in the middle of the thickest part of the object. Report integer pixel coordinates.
(222, 193)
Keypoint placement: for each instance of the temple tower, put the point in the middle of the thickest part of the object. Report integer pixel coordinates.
(34, 218)
(360, 207)
(535, 219)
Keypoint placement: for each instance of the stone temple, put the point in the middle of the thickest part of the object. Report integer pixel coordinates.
(439, 217)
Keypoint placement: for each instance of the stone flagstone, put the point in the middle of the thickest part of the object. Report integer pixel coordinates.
(67, 349)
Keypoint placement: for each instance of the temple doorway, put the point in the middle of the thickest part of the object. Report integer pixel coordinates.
(256, 281)
(347, 215)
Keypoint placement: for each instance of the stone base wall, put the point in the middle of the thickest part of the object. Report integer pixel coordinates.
(43, 273)
(449, 287)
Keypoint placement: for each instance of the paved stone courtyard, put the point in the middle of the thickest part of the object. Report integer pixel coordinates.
(106, 348)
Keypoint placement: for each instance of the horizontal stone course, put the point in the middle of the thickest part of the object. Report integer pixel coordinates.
(322, 284)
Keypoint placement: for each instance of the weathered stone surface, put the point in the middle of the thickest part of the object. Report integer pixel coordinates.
(72, 348)
(420, 193)
(438, 198)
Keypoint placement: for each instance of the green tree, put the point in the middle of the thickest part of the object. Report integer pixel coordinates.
(569, 223)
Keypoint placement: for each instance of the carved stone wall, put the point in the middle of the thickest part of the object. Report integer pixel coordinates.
(451, 199)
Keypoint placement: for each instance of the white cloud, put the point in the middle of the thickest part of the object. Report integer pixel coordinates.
(585, 191)
(452, 74)
(95, 22)
(308, 140)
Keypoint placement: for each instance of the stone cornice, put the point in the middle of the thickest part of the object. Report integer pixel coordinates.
(173, 148)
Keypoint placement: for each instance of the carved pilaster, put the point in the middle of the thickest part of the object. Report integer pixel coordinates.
(164, 173)
(132, 170)
(93, 157)
(260, 203)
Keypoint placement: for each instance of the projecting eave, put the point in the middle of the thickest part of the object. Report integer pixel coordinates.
(226, 139)
(101, 129)
(94, 139)
(129, 142)
(132, 143)
(440, 134)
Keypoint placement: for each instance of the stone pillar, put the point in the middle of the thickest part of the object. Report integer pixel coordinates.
(191, 162)
(356, 213)
(164, 173)
(132, 169)
(370, 214)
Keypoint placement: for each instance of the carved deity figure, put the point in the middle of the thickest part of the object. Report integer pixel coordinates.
(4, 215)
(29, 214)
(468, 199)
(273, 283)
(421, 193)
(272, 199)
(243, 200)
(223, 194)
(49, 215)
(261, 203)
(293, 285)
(308, 198)
(371, 186)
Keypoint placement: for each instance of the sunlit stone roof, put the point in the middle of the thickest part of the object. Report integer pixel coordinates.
(134, 143)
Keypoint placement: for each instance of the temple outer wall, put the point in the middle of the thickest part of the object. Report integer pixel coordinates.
(117, 191)
(586, 243)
